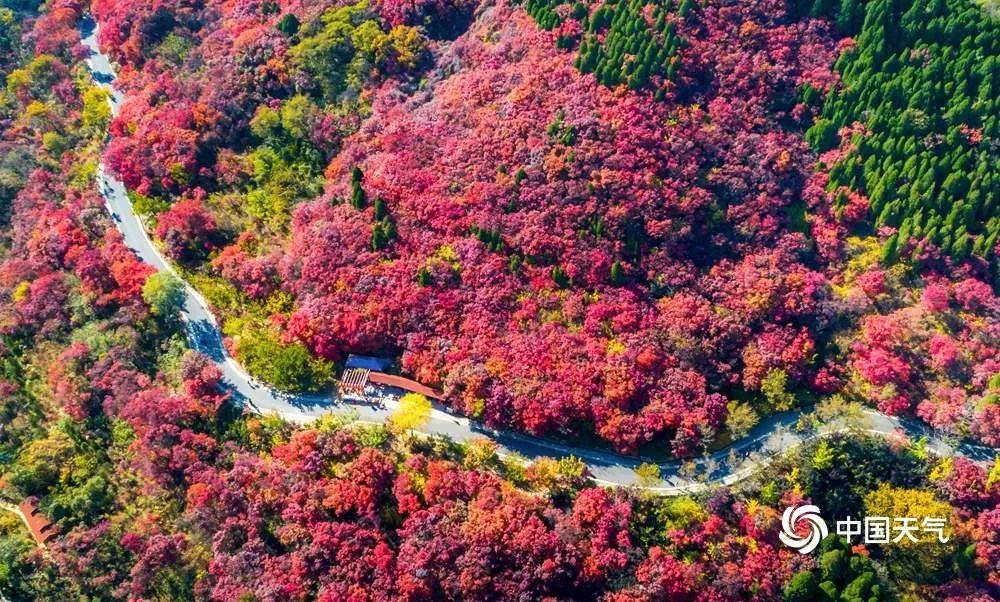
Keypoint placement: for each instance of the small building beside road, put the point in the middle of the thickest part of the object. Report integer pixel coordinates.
(360, 374)
(42, 531)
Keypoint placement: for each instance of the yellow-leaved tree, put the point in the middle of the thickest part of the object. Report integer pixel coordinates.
(413, 412)
(908, 560)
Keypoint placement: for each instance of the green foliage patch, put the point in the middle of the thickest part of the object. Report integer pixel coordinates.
(923, 80)
(624, 42)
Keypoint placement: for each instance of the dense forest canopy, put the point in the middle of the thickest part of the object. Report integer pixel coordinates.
(650, 225)
(922, 80)
(626, 192)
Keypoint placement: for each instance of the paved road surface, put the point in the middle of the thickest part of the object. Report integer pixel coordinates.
(774, 434)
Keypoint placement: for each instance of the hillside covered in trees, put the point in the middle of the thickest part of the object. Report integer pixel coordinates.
(646, 225)
(689, 214)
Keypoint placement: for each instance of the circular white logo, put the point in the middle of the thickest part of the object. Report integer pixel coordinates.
(817, 525)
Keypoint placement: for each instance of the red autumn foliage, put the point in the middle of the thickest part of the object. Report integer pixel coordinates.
(187, 229)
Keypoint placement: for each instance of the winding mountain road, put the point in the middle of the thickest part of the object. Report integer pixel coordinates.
(772, 435)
